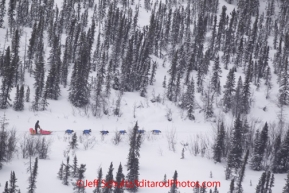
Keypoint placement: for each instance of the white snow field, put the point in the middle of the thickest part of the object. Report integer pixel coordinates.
(156, 159)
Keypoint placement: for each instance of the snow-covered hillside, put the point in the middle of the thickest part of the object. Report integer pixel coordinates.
(113, 79)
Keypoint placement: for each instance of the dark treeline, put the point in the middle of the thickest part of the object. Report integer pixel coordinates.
(110, 53)
(112, 44)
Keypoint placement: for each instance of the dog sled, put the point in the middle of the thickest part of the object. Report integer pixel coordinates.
(40, 132)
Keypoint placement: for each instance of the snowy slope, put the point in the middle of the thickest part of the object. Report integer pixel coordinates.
(156, 159)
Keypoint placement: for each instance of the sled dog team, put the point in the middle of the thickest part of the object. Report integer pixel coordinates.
(85, 132)
(88, 131)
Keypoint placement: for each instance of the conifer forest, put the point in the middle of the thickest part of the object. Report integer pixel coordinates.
(150, 91)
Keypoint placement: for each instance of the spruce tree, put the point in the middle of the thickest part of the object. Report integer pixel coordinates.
(268, 82)
(19, 99)
(238, 60)
(107, 188)
(266, 182)
(6, 189)
(229, 91)
(39, 76)
(235, 154)
(197, 187)
(16, 104)
(237, 105)
(43, 104)
(183, 153)
(153, 73)
(213, 37)
(164, 82)
(79, 91)
(108, 79)
(60, 172)
(2, 12)
(232, 186)
(173, 78)
(208, 102)
(32, 178)
(215, 81)
(66, 173)
(271, 183)
(221, 29)
(280, 162)
(242, 173)
(74, 169)
(219, 146)
(53, 79)
(286, 187)
(99, 84)
(174, 186)
(189, 100)
(229, 38)
(260, 146)
(119, 178)
(11, 13)
(203, 189)
(245, 99)
(200, 81)
(276, 145)
(177, 88)
(284, 86)
(32, 45)
(275, 34)
(133, 158)
(15, 43)
(190, 67)
(77, 188)
(73, 143)
(52, 83)
(99, 182)
(216, 190)
(7, 80)
(3, 142)
(65, 63)
(12, 181)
